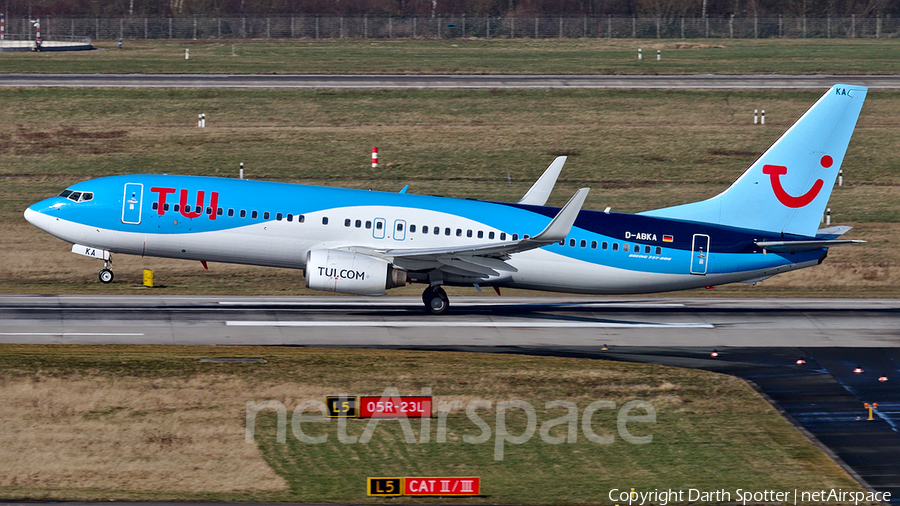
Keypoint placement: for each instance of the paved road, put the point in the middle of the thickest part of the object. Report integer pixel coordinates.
(846, 345)
(446, 81)
(472, 321)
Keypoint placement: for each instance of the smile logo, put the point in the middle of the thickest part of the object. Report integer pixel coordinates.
(775, 172)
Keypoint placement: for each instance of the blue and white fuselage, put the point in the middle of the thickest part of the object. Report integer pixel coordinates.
(366, 242)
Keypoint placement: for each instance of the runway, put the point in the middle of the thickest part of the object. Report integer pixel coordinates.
(816, 360)
(684, 82)
(471, 321)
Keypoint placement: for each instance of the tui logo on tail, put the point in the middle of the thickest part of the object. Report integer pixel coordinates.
(775, 172)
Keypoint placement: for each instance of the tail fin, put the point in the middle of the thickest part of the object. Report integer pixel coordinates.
(787, 188)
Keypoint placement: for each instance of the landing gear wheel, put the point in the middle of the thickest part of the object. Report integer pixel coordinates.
(106, 276)
(436, 300)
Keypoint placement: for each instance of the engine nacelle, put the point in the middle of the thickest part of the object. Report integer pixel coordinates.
(332, 270)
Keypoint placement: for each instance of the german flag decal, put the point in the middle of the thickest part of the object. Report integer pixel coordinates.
(668, 238)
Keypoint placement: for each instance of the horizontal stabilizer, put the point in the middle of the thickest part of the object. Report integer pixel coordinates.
(539, 192)
(795, 246)
(832, 232)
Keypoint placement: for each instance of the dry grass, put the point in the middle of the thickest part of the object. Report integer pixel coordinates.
(637, 150)
(153, 423)
(128, 434)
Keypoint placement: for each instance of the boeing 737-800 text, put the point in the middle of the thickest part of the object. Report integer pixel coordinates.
(366, 242)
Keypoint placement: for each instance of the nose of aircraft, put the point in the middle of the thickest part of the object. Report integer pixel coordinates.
(35, 215)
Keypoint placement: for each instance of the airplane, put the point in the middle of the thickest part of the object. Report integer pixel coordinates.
(367, 242)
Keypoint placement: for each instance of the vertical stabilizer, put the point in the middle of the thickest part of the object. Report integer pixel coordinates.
(787, 189)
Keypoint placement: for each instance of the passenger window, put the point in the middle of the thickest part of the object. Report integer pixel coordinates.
(469, 233)
(254, 214)
(209, 211)
(571, 243)
(615, 246)
(243, 213)
(347, 222)
(358, 223)
(583, 243)
(155, 206)
(593, 244)
(220, 211)
(647, 249)
(324, 220)
(480, 234)
(459, 232)
(658, 250)
(166, 207)
(399, 227)
(412, 228)
(625, 247)
(447, 231)
(290, 217)
(175, 208)
(604, 245)
(278, 216)
(502, 236)
(368, 224)
(379, 225)
(515, 237)
(231, 213)
(526, 236)
(301, 219)
(424, 229)
(490, 235)
(187, 209)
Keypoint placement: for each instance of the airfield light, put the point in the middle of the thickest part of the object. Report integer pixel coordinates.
(800, 361)
(882, 379)
(858, 370)
(714, 354)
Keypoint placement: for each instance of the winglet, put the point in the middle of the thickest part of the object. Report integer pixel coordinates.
(562, 223)
(404, 189)
(539, 192)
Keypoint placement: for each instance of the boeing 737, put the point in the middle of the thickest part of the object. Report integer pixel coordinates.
(366, 242)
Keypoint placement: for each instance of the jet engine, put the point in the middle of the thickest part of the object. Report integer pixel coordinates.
(332, 270)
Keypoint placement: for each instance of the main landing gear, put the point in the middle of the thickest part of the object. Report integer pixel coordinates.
(106, 274)
(435, 299)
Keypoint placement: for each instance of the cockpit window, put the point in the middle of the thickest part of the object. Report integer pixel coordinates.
(77, 196)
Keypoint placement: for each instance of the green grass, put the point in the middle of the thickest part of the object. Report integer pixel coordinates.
(712, 431)
(473, 56)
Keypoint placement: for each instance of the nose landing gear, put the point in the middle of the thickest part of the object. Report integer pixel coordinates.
(106, 274)
(436, 300)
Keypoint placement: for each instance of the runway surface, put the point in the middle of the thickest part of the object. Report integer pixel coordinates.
(449, 81)
(471, 321)
(817, 360)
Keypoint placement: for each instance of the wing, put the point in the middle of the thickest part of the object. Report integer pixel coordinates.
(539, 192)
(486, 259)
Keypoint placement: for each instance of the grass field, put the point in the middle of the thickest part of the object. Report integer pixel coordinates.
(637, 150)
(474, 56)
(154, 423)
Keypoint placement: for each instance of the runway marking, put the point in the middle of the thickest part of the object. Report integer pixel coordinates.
(423, 323)
(71, 334)
(458, 304)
